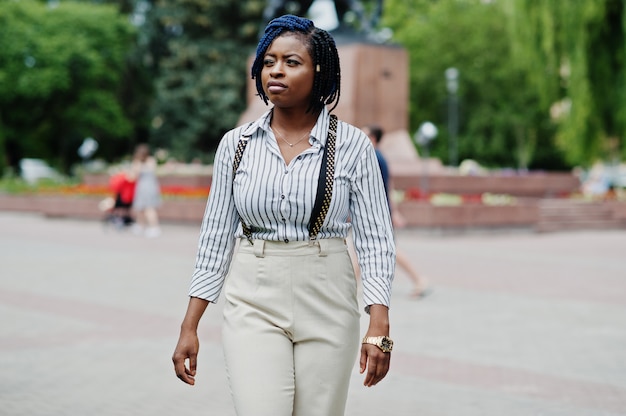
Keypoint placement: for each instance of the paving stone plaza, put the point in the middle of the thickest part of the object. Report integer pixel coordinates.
(518, 324)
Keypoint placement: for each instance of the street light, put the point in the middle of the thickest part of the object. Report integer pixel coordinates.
(452, 85)
(426, 133)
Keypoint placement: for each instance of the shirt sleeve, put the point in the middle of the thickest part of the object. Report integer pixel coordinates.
(373, 232)
(217, 233)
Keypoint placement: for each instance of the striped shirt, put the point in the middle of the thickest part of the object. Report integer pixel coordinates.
(276, 201)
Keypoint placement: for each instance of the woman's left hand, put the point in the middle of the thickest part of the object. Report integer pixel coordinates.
(375, 362)
(373, 359)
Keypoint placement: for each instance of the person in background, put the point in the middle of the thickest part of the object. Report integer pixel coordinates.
(119, 208)
(276, 221)
(147, 197)
(420, 286)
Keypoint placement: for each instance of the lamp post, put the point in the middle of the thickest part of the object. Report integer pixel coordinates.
(426, 133)
(452, 85)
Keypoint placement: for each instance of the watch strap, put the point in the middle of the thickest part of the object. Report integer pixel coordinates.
(378, 341)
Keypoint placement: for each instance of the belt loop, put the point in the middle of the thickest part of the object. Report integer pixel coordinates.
(259, 246)
(323, 245)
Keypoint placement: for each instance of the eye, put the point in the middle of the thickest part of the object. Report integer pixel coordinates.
(268, 62)
(292, 62)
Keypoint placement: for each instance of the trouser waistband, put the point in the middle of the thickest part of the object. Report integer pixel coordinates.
(321, 247)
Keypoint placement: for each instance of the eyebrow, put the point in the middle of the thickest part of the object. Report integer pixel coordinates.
(289, 55)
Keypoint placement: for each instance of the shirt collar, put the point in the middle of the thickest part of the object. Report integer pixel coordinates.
(262, 122)
(320, 129)
(319, 132)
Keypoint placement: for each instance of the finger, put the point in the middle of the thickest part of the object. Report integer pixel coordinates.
(193, 362)
(380, 374)
(382, 368)
(377, 367)
(182, 372)
(363, 360)
(370, 376)
(186, 376)
(373, 371)
(369, 364)
(187, 379)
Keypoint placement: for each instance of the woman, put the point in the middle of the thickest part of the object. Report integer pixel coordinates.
(291, 321)
(147, 197)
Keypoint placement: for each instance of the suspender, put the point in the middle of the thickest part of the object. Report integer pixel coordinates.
(325, 182)
(324, 185)
(241, 146)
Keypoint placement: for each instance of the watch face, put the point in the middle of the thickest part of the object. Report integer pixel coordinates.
(386, 344)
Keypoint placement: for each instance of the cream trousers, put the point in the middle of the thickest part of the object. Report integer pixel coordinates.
(291, 328)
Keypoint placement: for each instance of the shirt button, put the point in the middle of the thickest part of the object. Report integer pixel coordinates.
(285, 172)
(282, 197)
(283, 219)
(286, 240)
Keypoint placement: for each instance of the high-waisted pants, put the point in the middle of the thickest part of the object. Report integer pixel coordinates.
(291, 328)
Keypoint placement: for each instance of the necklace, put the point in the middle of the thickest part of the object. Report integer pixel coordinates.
(307, 134)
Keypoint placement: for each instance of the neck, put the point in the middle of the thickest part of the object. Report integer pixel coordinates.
(293, 121)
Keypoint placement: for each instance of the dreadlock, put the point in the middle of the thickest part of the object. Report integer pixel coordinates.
(320, 45)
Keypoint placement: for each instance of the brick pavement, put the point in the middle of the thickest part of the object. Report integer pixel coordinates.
(519, 324)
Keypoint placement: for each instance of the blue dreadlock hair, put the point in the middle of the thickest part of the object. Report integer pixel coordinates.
(323, 51)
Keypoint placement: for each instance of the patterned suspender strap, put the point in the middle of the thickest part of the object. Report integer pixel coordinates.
(241, 146)
(325, 182)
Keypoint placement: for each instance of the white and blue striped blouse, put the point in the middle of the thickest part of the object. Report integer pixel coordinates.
(276, 201)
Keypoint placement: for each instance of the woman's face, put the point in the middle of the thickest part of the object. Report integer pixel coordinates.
(287, 73)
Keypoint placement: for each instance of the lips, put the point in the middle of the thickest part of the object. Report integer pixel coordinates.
(275, 87)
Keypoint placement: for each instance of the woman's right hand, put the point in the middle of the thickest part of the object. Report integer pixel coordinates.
(185, 356)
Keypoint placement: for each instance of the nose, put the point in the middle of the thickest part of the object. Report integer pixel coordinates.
(277, 69)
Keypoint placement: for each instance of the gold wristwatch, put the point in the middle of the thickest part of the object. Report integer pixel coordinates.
(383, 342)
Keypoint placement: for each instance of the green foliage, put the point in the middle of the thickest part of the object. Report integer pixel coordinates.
(573, 53)
(60, 72)
(542, 83)
(12, 185)
(202, 79)
(500, 122)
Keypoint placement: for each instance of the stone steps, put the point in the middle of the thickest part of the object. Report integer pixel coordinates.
(563, 214)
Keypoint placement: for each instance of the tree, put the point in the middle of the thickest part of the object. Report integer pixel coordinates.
(573, 52)
(500, 121)
(60, 74)
(202, 77)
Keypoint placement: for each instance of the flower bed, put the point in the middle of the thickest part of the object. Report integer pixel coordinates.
(180, 203)
(449, 199)
(83, 190)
